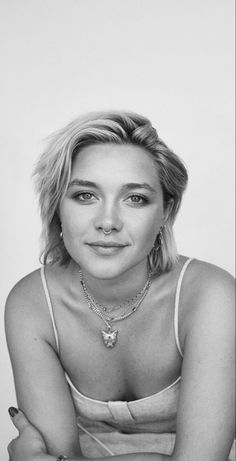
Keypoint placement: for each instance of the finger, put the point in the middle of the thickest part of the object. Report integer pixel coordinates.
(18, 418)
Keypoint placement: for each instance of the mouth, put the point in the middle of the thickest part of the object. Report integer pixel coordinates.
(105, 248)
(109, 244)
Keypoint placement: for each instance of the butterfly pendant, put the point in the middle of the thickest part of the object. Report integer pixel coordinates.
(109, 337)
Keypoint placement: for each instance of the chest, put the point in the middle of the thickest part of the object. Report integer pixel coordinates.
(143, 362)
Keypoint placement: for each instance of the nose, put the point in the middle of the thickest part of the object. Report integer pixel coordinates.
(108, 218)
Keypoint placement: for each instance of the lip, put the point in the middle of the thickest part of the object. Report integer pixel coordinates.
(108, 244)
(109, 248)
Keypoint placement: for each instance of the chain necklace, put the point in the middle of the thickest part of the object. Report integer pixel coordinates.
(124, 305)
(110, 336)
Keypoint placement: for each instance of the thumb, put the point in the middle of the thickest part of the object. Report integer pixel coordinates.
(18, 418)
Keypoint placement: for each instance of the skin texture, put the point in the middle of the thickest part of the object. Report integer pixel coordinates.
(206, 318)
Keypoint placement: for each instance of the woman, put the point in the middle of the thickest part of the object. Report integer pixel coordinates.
(120, 347)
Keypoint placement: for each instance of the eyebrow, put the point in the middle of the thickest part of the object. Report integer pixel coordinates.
(128, 186)
(81, 182)
(137, 185)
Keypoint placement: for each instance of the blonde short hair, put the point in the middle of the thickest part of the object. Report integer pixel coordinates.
(53, 172)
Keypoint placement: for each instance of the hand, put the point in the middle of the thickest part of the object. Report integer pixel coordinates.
(29, 445)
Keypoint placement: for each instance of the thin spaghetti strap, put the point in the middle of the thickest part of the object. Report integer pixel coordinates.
(50, 308)
(95, 438)
(176, 314)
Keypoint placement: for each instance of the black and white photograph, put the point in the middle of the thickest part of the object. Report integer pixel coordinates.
(117, 230)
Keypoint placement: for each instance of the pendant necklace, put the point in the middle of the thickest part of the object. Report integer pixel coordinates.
(128, 307)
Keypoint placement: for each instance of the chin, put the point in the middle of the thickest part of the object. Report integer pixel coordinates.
(103, 271)
(104, 274)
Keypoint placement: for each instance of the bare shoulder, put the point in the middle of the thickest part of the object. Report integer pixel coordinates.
(207, 296)
(26, 307)
(24, 316)
(26, 293)
(29, 290)
(203, 278)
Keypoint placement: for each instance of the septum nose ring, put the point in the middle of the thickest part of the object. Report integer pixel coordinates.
(106, 232)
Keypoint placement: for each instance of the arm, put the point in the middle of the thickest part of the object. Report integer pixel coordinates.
(205, 419)
(41, 387)
(42, 391)
(206, 410)
(30, 446)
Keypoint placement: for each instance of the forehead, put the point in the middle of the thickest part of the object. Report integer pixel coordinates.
(117, 162)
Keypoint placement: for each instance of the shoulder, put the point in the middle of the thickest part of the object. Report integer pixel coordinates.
(25, 291)
(29, 293)
(26, 306)
(29, 289)
(202, 279)
(207, 299)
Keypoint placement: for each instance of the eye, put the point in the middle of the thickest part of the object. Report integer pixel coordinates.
(137, 199)
(84, 196)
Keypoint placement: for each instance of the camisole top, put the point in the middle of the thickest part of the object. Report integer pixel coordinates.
(115, 427)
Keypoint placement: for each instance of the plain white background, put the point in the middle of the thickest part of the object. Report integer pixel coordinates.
(172, 61)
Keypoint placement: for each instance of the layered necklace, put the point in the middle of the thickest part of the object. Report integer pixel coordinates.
(125, 309)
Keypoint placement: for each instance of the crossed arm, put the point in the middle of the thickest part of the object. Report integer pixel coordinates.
(205, 419)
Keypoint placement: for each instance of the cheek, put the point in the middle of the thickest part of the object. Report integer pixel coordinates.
(73, 234)
(147, 239)
(148, 229)
(72, 222)
(72, 238)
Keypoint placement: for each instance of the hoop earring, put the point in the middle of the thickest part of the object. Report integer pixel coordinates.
(61, 235)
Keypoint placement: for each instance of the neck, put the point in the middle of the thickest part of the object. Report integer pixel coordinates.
(111, 292)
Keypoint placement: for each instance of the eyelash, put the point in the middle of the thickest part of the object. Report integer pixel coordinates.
(142, 199)
(80, 197)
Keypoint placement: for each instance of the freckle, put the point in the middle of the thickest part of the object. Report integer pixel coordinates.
(35, 339)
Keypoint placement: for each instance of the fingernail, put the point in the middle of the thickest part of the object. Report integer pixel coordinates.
(12, 411)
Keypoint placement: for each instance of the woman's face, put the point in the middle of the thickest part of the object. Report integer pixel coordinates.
(112, 187)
